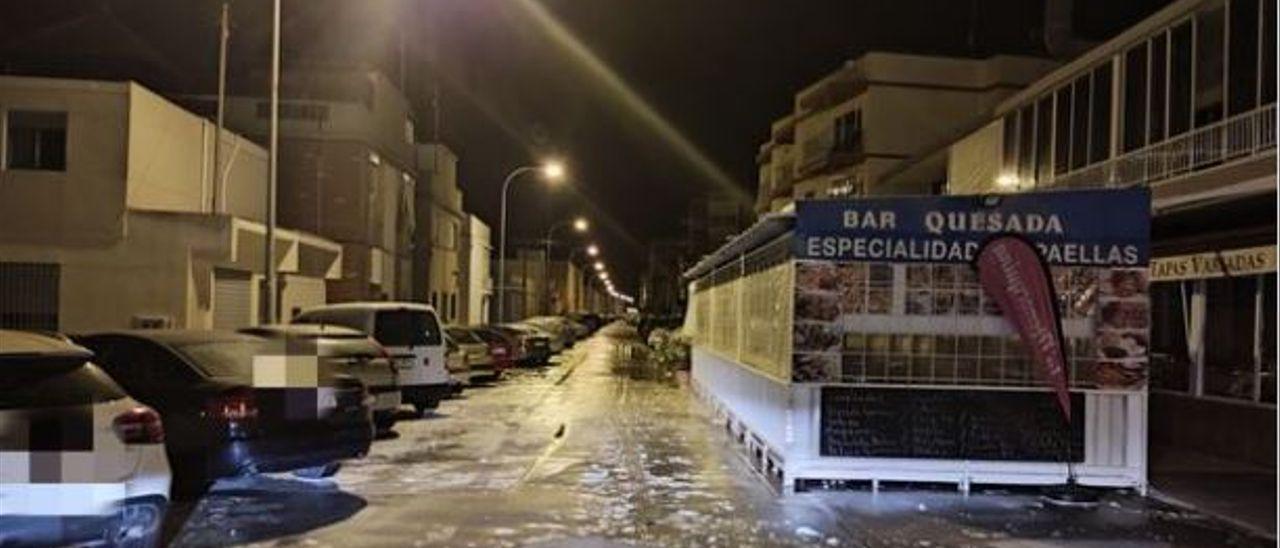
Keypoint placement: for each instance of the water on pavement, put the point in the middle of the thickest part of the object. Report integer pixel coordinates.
(588, 453)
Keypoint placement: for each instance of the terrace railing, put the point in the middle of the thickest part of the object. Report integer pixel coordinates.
(1238, 137)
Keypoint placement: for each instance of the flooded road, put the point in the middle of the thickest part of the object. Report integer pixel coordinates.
(589, 453)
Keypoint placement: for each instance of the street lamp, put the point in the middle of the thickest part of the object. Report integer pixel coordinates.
(552, 171)
(579, 224)
(592, 250)
(599, 266)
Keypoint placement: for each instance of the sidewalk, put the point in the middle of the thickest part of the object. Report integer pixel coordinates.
(1240, 493)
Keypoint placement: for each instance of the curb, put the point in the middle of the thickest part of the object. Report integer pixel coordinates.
(1230, 520)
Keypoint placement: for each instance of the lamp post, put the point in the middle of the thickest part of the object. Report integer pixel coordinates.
(269, 251)
(579, 224)
(552, 171)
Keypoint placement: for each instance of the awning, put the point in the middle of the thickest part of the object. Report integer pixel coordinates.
(765, 230)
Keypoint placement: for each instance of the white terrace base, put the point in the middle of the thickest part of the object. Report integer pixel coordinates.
(778, 426)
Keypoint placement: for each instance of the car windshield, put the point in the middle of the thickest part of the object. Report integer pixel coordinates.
(461, 335)
(407, 328)
(225, 359)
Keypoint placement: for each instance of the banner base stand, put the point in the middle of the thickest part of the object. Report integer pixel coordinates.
(1071, 495)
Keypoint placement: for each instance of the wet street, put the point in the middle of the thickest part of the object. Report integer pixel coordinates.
(589, 453)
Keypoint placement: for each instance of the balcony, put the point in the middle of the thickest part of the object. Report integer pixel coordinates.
(1239, 137)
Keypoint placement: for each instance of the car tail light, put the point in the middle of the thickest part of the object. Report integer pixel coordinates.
(233, 406)
(140, 425)
(498, 350)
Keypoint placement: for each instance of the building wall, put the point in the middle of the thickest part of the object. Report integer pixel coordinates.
(974, 161)
(440, 235)
(85, 204)
(170, 148)
(478, 286)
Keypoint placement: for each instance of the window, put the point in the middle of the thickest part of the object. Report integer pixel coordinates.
(1026, 143)
(1135, 98)
(1267, 344)
(849, 131)
(1156, 104)
(1170, 362)
(1010, 143)
(1228, 332)
(1268, 84)
(1100, 115)
(1044, 136)
(408, 131)
(1062, 131)
(37, 140)
(1080, 122)
(317, 112)
(1242, 56)
(1180, 79)
(1210, 62)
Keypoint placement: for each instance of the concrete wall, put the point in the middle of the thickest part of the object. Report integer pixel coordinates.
(476, 268)
(170, 162)
(148, 274)
(974, 161)
(85, 204)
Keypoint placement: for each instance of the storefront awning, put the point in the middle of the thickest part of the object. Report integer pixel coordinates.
(764, 231)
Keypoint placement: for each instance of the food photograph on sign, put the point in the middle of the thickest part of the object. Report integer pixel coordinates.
(886, 292)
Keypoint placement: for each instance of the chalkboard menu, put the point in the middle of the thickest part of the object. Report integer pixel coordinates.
(948, 424)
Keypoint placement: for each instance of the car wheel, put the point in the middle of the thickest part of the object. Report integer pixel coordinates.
(139, 525)
(317, 472)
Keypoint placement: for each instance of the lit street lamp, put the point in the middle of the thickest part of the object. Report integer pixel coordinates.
(552, 171)
(579, 224)
(592, 250)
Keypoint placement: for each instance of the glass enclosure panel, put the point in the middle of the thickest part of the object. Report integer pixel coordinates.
(1158, 86)
(1242, 56)
(1170, 361)
(1180, 79)
(1135, 98)
(1229, 337)
(1210, 65)
(1100, 115)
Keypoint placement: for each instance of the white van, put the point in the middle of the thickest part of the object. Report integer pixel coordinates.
(410, 332)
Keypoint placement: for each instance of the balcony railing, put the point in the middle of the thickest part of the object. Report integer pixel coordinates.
(1240, 136)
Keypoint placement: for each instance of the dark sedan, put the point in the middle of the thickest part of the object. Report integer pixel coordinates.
(236, 404)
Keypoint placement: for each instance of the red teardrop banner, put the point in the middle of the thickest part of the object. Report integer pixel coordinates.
(1012, 272)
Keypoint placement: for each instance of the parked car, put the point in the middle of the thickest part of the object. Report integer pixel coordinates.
(455, 359)
(559, 334)
(480, 362)
(351, 352)
(591, 320)
(411, 334)
(233, 405)
(535, 345)
(110, 480)
(505, 349)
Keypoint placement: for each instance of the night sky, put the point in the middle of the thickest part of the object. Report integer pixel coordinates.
(512, 90)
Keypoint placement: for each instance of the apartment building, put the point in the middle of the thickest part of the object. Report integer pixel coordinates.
(441, 223)
(477, 289)
(857, 123)
(348, 171)
(113, 214)
(1183, 102)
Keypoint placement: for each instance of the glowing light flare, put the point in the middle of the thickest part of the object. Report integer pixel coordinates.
(617, 87)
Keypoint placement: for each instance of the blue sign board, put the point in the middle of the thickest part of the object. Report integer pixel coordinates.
(1108, 228)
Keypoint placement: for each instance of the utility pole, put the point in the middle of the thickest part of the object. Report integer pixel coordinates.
(269, 257)
(224, 34)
